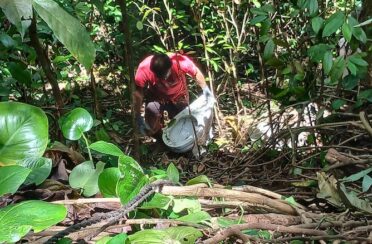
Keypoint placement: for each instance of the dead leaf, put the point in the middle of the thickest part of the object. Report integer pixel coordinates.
(328, 189)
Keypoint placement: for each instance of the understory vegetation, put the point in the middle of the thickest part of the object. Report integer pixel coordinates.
(290, 159)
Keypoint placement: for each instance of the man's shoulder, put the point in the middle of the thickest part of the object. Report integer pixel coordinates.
(145, 63)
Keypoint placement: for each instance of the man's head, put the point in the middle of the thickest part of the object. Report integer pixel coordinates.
(161, 65)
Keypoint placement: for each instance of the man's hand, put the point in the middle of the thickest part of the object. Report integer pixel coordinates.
(142, 126)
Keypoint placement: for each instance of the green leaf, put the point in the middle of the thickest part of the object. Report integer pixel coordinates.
(196, 217)
(366, 95)
(313, 7)
(191, 205)
(358, 60)
(41, 168)
(7, 41)
(338, 103)
(226, 222)
(269, 49)
(199, 179)
(23, 133)
(85, 177)
(19, 13)
(352, 199)
(20, 72)
(132, 183)
(346, 31)
(316, 53)
(327, 62)
(358, 32)
(126, 160)
(11, 178)
(367, 183)
(75, 123)
(108, 180)
(118, 239)
(352, 68)
(18, 219)
(357, 176)
(157, 201)
(317, 23)
(173, 174)
(181, 234)
(333, 23)
(257, 19)
(68, 30)
(106, 148)
(350, 82)
(337, 70)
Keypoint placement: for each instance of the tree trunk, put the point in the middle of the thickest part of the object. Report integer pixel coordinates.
(129, 63)
(45, 63)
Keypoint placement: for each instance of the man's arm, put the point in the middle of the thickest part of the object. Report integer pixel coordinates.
(200, 78)
(138, 100)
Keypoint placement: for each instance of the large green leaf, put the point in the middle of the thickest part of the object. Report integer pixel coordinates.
(106, 148)
(192, 205)
(337, 70)
(131, 184)
(23, 133)
(11, 178)
(41, 168)
(17, 220)
(351, 199)
(333, 23)
(108, 180)
(68, 30)
(85, 177)
(18, 12)
(181, 234)
(313, 7)
(132, 180)
(75, 123)
(346, 31)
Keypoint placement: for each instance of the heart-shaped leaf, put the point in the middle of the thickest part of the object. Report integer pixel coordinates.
(157, 201)
(40, 167)
(108, 180)
(68, 30)
(11, 178)
(17, 220)
(23, 134)
(75, 123)
(132, 181)
(85, 177)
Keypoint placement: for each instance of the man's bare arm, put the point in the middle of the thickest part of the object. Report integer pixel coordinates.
(138, 100)
(200, 79)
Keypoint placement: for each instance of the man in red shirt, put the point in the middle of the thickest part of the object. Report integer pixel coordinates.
(161, 80)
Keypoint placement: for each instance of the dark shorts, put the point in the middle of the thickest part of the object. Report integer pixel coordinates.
(154, 112)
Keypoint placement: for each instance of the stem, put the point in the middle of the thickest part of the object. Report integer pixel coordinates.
(87, 144)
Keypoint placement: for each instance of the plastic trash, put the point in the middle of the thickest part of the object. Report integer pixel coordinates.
(179, 135)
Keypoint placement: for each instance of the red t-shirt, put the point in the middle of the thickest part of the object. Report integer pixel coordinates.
(171, 89)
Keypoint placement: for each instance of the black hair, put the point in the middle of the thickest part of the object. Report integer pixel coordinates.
(160, 64)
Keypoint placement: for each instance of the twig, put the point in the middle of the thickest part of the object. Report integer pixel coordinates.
(277, 228)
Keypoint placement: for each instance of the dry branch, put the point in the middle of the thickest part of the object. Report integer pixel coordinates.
(258, 200)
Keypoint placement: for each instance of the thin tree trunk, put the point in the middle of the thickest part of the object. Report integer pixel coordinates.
(129, 63)
(45, 63)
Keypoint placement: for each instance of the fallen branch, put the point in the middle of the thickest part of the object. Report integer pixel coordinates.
(258, 200)
(272, 227)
